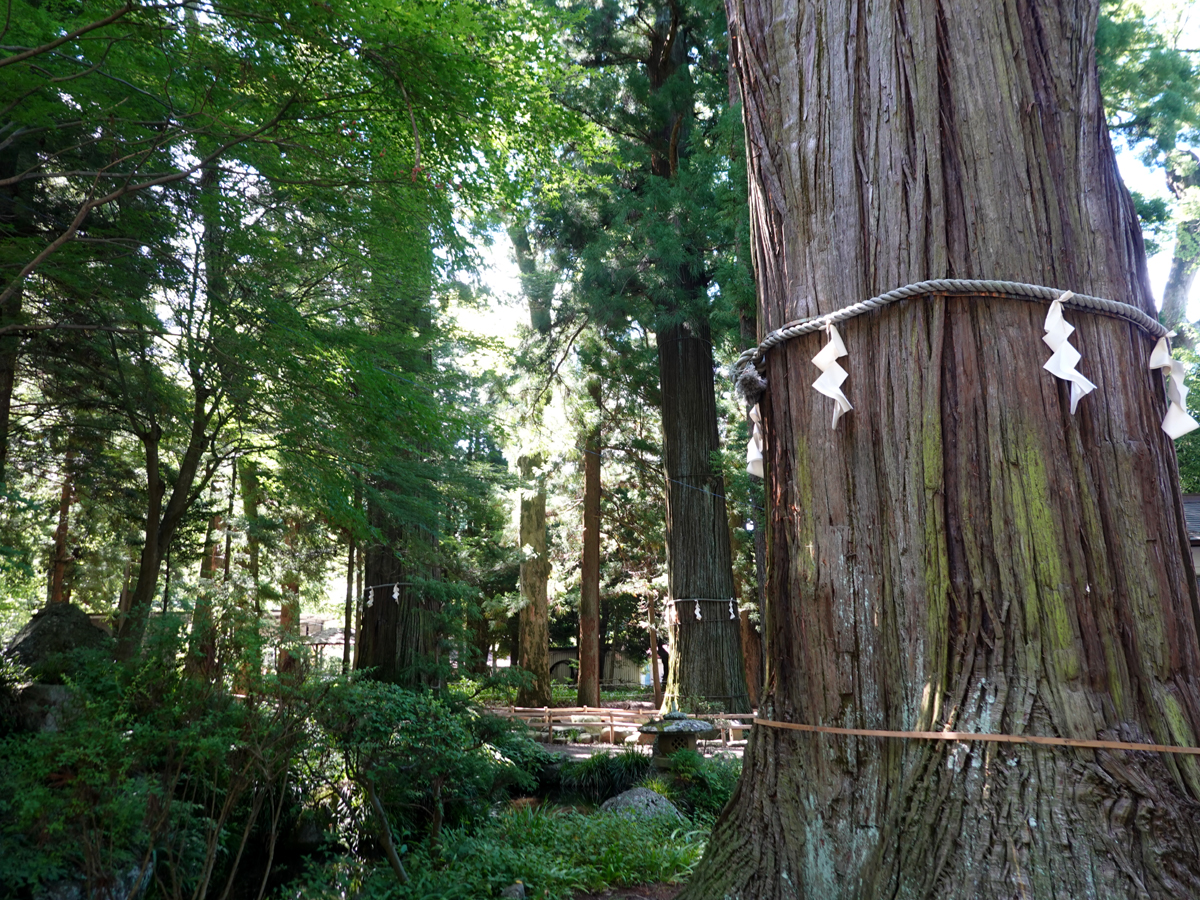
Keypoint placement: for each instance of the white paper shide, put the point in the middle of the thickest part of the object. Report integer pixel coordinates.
(1177, 422)
(1062, 362)
(754, 455)
(832, 374)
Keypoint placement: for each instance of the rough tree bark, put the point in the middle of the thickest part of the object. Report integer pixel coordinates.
(961, 553)
(400, 629)
(706, 653)
(535, 573)
(588, 693)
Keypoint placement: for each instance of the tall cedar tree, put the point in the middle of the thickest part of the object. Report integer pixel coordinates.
(655, 80)
(961, 553)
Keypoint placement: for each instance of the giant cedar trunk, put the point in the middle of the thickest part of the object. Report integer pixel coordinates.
(961, 553)
(535, 573)
(400, 629)
(706, 653)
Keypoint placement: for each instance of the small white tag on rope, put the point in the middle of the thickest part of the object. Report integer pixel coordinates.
(370, 597)
(1177, 422)
(832, 374)
(698, 616)
(396, 592)
(732, 613)
(1062, 362)
(754, 457)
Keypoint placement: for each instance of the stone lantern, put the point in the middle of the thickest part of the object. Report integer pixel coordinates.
(674, 732)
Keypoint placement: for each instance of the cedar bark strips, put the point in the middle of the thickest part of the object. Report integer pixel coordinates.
(588, 693)
(535, 573)
(399, 631)
(706, 653)
(961, 553)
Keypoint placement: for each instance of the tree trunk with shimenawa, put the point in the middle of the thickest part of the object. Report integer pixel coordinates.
(400, 628)
(706, 652)
(961, 553)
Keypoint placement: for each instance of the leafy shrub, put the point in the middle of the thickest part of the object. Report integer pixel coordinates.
(432, 759)
(150, 771)
(603, 775)
(554, 853)
(702, 785)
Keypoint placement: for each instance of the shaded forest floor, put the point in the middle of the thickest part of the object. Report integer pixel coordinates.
(640, 892)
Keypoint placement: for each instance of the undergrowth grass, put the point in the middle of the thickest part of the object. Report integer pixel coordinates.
(554, 852)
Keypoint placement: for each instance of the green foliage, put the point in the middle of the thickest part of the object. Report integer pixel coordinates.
(602, 775)
(1187, 448)
(1155, 215)
(1151, 90)
(149, 768)
(554, 853)
(699, 785)
(431, 758)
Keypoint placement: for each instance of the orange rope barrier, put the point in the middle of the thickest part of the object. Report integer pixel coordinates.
(966, 736)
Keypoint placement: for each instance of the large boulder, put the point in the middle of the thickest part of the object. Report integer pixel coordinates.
(641, 802)
(50, 642)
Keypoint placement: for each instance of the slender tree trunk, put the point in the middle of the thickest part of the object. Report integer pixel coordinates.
(10, 350)
(589, 591)
(202, 654)
(535, 573)
(16, 207)
(348, 628)
(289, 661)
(751, 640)
(654, 661)
(1183, 173)
(1185, 263)
(706, 652)
(228, 529)
(251, 498)
(358, 602)
(163, 518)
(961, 553)
(59, 563)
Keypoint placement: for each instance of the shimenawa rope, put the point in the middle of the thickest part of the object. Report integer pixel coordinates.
(945, 286)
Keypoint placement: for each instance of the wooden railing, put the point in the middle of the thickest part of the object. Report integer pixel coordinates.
(549, 716)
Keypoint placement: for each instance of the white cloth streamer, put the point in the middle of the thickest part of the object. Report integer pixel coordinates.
(370, 597)
(698, 616)
(832, 374)
(1062, 362)
(754, 457)
(732, 612)
(1177, 422)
